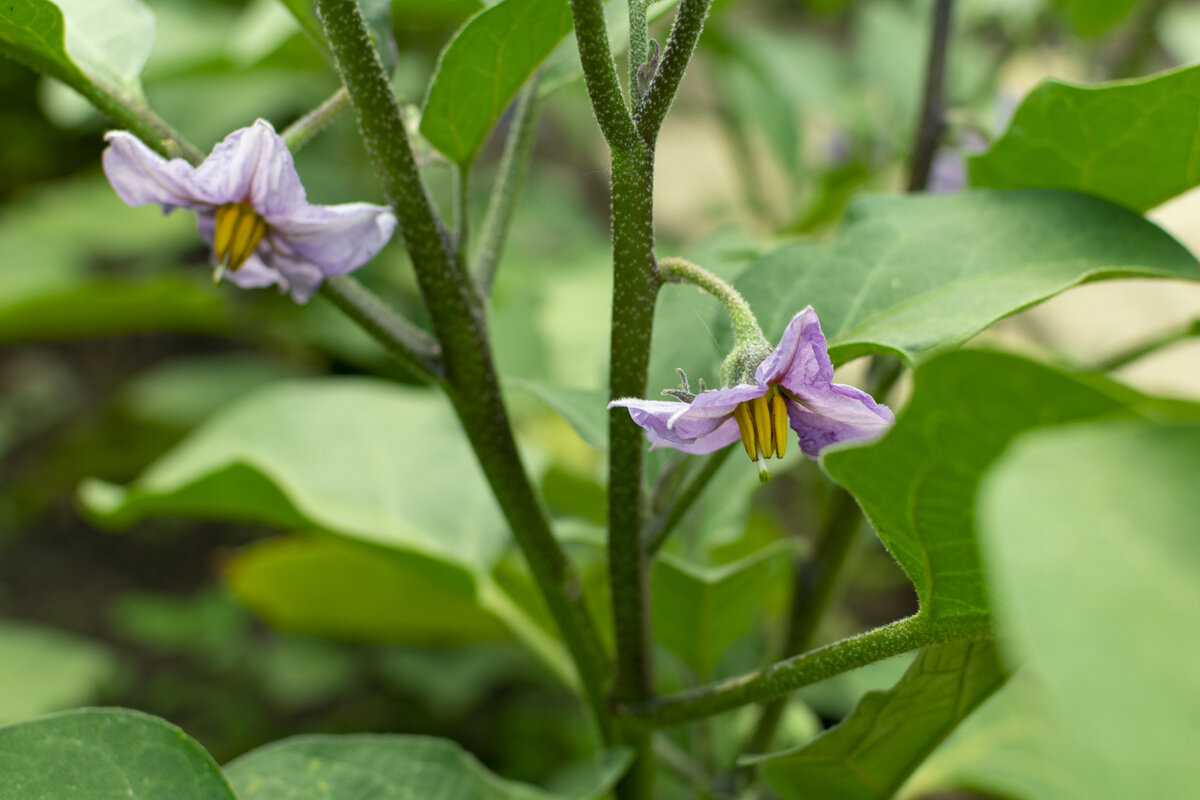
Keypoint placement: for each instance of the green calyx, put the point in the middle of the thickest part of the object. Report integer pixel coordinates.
(739, 366)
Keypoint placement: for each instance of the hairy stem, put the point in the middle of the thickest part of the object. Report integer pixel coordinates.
(652, 110)
(470, 378)
(404, 339)
(304, 129)
(818, 665)
(639, 46)
(933, 105)
(745, 324)
(138, 119)
(514, 165)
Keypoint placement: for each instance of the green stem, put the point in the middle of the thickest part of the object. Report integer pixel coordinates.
(745, 325)
(1143, 349)
(135, 117)
(689, 22)
(514, 165)
(304, 129)
(639, 46)
(462, 212)
(661, 525)
(933, 106)
(818, 665)
(470, 378)
(600, 75)
(816, 580)
(404, 339)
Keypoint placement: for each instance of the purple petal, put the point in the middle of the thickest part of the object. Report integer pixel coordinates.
(802, 359)
(836, 413)
(253, 165)
(697, 435)
(141, 176)
(334, 239)
(300, 277)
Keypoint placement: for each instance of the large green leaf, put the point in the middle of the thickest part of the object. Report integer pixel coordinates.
(1090, 538)
(918, 274)
(357, 457)
(483, 67)
(1136, 143)
(42, 670)
(106, 754)
(700, 611)
(86, 44)
(917, 485)
(1091, 17)
(874, 750)
(366, 767)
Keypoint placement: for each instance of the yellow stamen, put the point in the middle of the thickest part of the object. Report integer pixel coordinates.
(779, 420)
(761, 412)
(746, 427)
(238, 232)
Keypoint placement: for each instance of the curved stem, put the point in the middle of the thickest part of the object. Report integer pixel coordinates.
(933, 106)
(470, 378)
(745, 324)
(404, 339)
(651, 112)
(300, 132)
(818, 665)
(514, 164)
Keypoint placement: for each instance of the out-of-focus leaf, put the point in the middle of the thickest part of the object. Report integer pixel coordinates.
(183, 391)
(1089, 535)
(585, 409)
(1091, 17)
(363, 767)
(1131, 142)
(917, 485)
(700, 611)
(874, 750)
(42, 670)
(483, 67)
(106, 754)
(918, 274)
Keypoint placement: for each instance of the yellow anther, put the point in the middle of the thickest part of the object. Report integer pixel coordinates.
(760, 412)
(746, 427)
(238, 232)
(779, 422)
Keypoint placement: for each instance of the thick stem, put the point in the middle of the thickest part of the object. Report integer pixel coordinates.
(689, 22)
(304, 129)
(933, 106)
(600, 75)
(470, 379)
(815, 581)
(405, 340)
(818, 665)
(745, 324)
(514, 165)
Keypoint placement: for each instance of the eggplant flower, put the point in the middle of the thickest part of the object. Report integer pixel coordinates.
(252, 210)
(793, 386)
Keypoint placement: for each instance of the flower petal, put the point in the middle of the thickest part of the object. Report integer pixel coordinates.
(335, 239)
(253, 165)
(697, 435)
(300, 277)
(141, 176)
(802, 358)
(837, 413)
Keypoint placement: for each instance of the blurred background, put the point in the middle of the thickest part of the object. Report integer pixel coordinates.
(114, 345)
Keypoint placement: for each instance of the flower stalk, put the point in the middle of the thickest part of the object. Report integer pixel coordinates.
(300, 132)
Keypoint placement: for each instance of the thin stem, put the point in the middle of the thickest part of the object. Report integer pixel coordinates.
(745, 324)
(816, 580)
(404, 339)
(689, 22)
(659, 529)
(600, 75)
(1142, 349)
(639, 47)
(514, 165)
(933, 106)
(462, 212)
(818, 665)
(470, 378)
(139, 120)
(304, 129)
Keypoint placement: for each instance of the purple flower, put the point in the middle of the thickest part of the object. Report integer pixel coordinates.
(793, 387)
(251, 209)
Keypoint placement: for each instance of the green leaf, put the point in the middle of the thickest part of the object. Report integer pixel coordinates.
(369, 767)
(700, 611)
(918, 274)
(1135, 143)
(42, 670)
(917, 485)
(874, 750)
(585, 409)
(106, 754)
(1090, 538)
(340, 590)
(1091, 17)
(356, 457)
(482, 68)
(83, 43)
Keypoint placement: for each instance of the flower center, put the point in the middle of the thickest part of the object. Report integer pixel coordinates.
(239, 230)
(763, 423)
